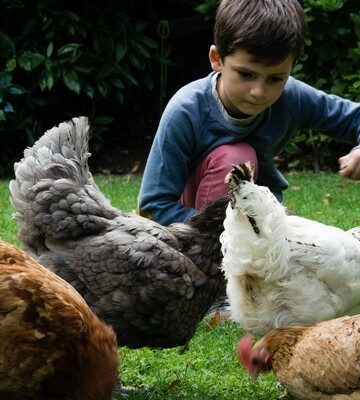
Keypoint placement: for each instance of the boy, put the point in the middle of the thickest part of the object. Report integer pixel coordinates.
(245, 110)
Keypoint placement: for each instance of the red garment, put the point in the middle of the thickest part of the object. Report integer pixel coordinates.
(206, 182)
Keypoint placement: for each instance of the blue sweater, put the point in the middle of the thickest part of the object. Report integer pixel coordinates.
(192, 125)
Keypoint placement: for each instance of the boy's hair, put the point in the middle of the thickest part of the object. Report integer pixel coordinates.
(269, 30)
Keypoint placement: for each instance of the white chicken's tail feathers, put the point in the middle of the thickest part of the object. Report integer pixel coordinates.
(253, 241)
(53, 192)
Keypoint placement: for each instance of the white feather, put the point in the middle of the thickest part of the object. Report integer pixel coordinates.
(292, 271)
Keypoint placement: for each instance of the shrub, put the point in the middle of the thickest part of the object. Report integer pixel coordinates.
(61, 59)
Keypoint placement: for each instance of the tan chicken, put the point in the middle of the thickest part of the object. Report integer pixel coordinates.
(51, 344)
(319, 362)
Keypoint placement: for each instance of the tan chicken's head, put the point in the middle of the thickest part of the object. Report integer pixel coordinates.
(255, 359)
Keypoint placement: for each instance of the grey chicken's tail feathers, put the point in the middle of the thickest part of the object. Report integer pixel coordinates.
(53, 192)
(62, 151)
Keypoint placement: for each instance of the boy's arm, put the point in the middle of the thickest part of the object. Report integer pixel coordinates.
(167, 169)
(337, 117)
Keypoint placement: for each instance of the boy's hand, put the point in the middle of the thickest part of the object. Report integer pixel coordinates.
(349, 165)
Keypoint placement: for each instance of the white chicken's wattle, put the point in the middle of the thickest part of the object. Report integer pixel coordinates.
(283, 269)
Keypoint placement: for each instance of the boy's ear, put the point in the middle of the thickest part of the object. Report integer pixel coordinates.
(215, 59)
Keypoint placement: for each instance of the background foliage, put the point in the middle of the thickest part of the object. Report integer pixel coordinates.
(62, 59)
(119, 62)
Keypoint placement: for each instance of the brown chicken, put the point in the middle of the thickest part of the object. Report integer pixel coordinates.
(51, 344)
(319, 362)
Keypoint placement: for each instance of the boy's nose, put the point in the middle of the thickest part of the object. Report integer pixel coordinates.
(258, 89)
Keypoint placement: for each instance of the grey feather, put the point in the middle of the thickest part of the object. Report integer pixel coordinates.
(154, 284)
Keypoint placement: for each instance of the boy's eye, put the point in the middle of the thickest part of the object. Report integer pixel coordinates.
(274, 79)
(245, 75)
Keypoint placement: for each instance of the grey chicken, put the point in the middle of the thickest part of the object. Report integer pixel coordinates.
(153, 284)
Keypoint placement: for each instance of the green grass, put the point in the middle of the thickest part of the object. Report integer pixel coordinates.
(208, 369)
(324, 197)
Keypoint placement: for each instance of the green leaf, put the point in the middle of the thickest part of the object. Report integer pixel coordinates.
(121, 50)
(68, 48)
(136, 62)
(71, 80)
(49, 49)
(5, 79)
(117, 83)
(10, 65)
(130, 78)
(17, 90)
(8, 107)
(142, 51)
(120, 97)
(356, 19)
(2, 115)
(46, 81)
(149, 42)
(102, 87)
(30, 60)
(89, 90)
(7, 46)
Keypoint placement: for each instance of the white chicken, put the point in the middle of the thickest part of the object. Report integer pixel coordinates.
(283, 269)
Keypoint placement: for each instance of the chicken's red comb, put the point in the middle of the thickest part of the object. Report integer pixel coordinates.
(244, 348)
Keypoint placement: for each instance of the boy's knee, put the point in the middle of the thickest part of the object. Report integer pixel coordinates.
(227, 155)
(236, 153)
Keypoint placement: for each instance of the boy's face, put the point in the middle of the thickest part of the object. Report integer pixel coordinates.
(246, 87)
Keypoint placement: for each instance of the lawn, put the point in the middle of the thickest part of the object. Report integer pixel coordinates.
(208, 368)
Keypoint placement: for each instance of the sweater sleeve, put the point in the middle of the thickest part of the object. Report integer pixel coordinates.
(168, 166)
(332, 115)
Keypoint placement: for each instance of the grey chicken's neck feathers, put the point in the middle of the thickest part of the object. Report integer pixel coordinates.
(211, 217)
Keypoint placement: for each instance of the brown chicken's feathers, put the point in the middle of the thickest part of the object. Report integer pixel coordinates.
(319, 362)
(51, 343)
(152, 283)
